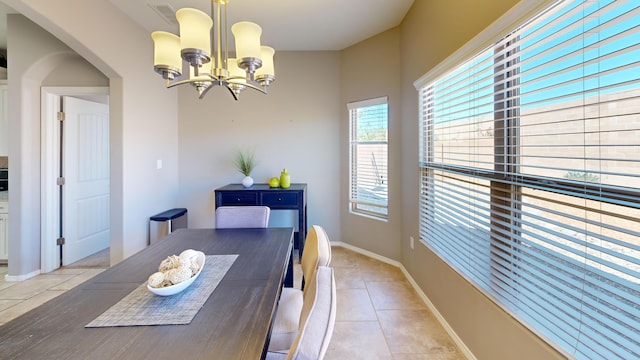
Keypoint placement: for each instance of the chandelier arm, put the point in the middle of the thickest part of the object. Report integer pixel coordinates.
(255, 87)
(215, 81)
(191, 81)
(233, 93)
(204, 92)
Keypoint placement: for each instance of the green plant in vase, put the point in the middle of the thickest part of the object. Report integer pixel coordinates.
(245, 163)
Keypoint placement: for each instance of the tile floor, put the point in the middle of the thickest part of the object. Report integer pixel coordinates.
(21, 296)
(379, 315)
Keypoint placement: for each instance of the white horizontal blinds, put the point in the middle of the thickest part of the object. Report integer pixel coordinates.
(580, 272)
(369, 156)
(579, 92)
(462, 110)
(530, 157)
(457, 211)
(579, 135)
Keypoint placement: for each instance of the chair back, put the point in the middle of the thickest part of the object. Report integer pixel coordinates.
(309, 259)
(324, 247)
(317, 252)
(317, 319)
(235, 217)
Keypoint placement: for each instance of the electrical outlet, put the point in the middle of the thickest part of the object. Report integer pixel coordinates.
(411, 242)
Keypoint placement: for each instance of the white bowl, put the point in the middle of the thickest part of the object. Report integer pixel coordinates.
(174, 289)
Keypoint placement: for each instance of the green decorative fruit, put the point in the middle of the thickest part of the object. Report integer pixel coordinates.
(274, 182)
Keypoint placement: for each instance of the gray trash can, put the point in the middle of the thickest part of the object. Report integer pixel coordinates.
(162, 224)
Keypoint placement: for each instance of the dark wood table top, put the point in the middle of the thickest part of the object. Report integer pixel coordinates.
(233, 324)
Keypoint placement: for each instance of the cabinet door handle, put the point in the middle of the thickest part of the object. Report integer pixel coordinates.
(279, 199)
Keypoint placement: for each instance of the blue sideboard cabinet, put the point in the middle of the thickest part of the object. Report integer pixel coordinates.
(293, 198)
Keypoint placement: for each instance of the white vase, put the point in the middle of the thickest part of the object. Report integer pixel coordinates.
(247, 181)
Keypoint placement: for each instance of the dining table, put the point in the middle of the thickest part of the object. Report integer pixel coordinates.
(233, 321)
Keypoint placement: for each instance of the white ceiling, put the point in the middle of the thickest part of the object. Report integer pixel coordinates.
(303, 25)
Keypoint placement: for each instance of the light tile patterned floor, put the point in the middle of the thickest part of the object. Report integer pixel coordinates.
(379, 315)
(19, 297)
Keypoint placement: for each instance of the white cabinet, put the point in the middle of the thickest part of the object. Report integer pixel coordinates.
(4, 231)
(4, 119)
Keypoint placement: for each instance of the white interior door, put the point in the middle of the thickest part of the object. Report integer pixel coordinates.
(85, 209)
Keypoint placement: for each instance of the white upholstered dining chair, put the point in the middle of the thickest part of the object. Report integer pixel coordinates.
(233, 217)
(317, 320)
(317, 252)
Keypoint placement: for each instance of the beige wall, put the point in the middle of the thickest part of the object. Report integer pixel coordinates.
(36, 56)
(294, 126)
(369, 70)
(388, 64)
(143, 124)
(431, 31)
(75, 71)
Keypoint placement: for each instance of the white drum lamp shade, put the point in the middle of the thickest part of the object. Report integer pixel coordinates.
(166, 50)
(235, 71)
(267, 69)
(247, 35)
(195, 29)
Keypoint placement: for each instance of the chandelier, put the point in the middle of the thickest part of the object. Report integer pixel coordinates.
(251, 68)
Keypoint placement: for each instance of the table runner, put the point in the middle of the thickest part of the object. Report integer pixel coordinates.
(141, 307)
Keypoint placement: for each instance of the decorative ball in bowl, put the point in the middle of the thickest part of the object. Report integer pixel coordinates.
(176, 273)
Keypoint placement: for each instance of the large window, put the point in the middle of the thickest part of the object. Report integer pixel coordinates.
(530, 174)
(368, 121)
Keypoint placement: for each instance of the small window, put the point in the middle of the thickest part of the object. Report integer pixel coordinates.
(368, 155)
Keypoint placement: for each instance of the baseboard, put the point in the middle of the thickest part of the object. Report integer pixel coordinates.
(22, 277)
(461, 345)
(366, 253)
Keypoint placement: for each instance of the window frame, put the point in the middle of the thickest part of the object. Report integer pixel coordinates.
(356, 205)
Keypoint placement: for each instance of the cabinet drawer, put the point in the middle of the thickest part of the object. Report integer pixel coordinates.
(239, 198)
(279, 199)
(4, 207)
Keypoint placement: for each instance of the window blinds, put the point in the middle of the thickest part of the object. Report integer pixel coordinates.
(530, 166)
(369, 156)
